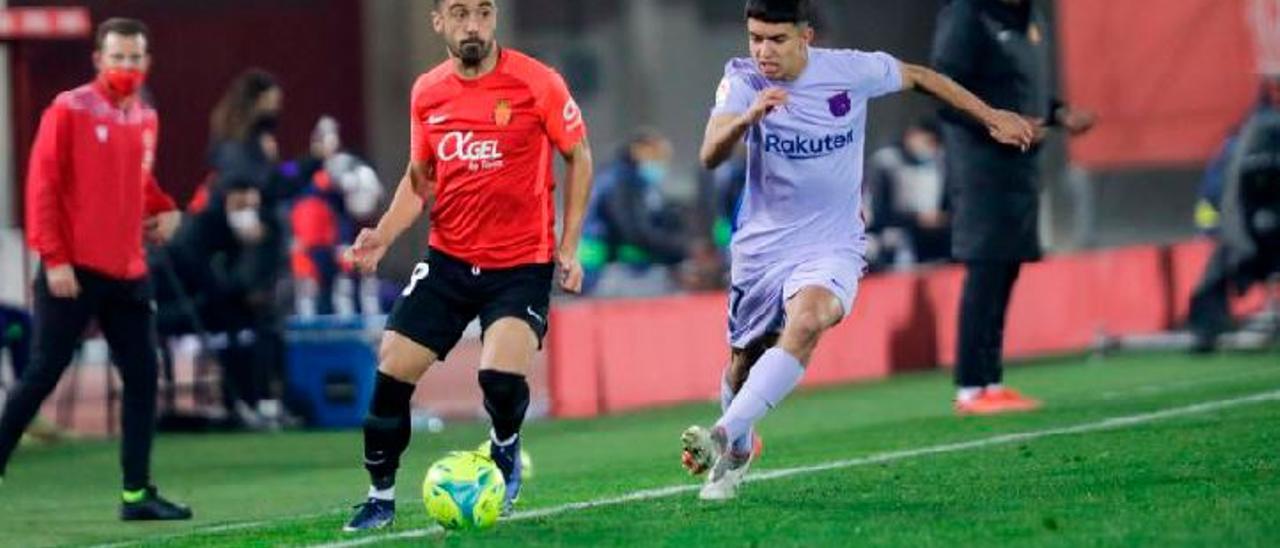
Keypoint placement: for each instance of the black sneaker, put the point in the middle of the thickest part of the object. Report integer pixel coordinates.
(372, 515)
(508, 460)
(153, 507)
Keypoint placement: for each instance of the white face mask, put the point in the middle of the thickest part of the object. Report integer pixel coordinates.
(245, 223)
(923, 151)
(362, 192)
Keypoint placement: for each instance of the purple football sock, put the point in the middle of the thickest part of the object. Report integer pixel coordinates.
(743, 444)
(772, 378)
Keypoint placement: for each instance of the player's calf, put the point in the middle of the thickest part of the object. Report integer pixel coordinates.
(506, 398)
(386, 436)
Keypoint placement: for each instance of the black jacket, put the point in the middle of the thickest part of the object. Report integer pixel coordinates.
(627, 211)
(1003, 54)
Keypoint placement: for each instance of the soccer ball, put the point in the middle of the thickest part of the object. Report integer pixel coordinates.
(526, 462)
(464, 491)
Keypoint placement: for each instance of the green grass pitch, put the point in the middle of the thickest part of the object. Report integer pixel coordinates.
(1169, 450)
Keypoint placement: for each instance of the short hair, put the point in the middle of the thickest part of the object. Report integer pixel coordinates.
(780, 11)
(435, 4)
(122, 26)
(927, 124)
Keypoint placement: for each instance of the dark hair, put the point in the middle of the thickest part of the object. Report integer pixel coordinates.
(121, 26)
(233, 117)
(927, 124)
(780, 11)
(645, 135)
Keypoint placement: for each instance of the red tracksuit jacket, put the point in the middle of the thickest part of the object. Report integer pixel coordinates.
(89, 185)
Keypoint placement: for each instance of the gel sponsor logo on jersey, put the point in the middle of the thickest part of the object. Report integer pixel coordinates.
(462, 146)
(804, 147)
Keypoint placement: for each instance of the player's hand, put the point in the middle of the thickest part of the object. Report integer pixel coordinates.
(570, 271)
(766, 101)
(367, 252)
(1041, 130)
(1011, 129)
(1077, 122)
(160, 228)
(62, 282)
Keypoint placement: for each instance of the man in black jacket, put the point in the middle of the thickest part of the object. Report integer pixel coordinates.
(1002, 51)
(1243, 206)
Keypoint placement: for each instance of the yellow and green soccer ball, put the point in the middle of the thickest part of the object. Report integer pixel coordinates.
(464, 491)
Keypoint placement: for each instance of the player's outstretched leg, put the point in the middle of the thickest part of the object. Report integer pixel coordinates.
(697, 461)
(387, 428)
(810, 312)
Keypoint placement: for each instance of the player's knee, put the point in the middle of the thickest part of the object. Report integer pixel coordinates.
(401, 361)
(807, 324)
(510, 346)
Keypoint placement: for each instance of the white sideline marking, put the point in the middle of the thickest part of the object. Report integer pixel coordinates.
(214, 529)
(1173, 386)
(649, 494)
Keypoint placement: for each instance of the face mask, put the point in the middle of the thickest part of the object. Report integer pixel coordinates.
(267, 122)
(922, 152)
(245, 223)
(652, 172)
(123, 82)
(362, 192)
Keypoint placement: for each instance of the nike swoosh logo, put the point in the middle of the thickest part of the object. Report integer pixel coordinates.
(535, 315)
(437, 119)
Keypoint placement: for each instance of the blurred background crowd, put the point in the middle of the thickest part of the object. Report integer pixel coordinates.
(284, 125)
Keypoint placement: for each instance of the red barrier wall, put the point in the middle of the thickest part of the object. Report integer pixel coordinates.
(1167, 78)
(609, 356)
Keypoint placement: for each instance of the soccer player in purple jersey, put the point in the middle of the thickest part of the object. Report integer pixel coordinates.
(797, 252)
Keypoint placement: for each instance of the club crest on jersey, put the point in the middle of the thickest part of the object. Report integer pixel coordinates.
(502, 113)
(840, 104)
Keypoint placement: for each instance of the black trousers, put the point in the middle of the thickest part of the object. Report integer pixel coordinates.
(983, 307)
(123, 311)
(1210, 313)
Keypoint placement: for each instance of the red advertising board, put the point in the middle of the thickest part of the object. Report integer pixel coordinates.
(45, 23)
(1168, 79)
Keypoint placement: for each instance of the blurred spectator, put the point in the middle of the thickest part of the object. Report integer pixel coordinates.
(909, 221)
(342, 195)
(727, 182)
(231, 256)
(207, 283)
(243, 128)
(1209, 206)
(633, 235)
(15, 337)
(1240, 204)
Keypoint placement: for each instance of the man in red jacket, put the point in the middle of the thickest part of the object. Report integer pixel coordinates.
(91, 199)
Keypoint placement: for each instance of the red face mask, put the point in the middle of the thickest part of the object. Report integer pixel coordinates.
(123, 82)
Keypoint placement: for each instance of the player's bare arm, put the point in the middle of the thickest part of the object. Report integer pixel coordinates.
(726, 130)
(416, 191)
(1006, 127)
(577, 192)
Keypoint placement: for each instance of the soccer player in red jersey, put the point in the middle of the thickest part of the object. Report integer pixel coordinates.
(91, 198)
(485, 124)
